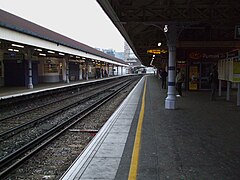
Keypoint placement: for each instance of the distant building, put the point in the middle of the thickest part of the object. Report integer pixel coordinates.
(110, 52)
(119, 55)
(129, 56)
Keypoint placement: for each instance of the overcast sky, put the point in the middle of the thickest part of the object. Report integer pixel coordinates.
(81, 20)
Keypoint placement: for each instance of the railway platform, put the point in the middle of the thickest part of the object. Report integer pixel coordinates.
(143, 140)
(15, 91)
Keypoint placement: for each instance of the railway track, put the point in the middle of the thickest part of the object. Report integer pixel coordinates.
(10, 161)
(45, 101)
(25, 118)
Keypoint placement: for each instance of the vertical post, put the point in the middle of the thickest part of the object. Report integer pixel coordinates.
(117, 70)
(228, 90)
(64, 70)
(238, 95)
(171, 33)
(86, 70)
(220, 88)
(121, 70)
(67, 69)
(80, 71)
(30, 84)
(113, 69)
(29, 56)
(108, 70)
(101, 74)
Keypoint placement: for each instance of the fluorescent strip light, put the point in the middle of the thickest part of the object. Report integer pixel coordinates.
(10, 49)
(41, 54)
(83, 58)
(16, 45)
(61, 54)
(16, 50)
(38, 50)
(77, 57)
(51, 52)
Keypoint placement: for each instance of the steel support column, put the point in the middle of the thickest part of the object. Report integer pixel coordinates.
(86, 69)
(30, 84)
(108, 73)
(101, 74)
(220, 88)
(171, 34)
(238, 94)
(67, 68)
(113, 69)
(228, 90)
(29, 57)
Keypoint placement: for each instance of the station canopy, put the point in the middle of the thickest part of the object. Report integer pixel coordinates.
(201, 24)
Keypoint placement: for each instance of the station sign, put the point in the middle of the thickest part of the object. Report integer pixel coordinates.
(156, 51)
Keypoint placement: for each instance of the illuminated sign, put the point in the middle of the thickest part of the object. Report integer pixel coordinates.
(156, 51)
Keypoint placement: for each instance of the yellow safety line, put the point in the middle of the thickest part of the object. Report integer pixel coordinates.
(135, 154)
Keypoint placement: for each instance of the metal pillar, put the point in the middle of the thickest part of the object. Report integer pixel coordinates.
(121, 70)
(67, 69)
(220, 88)
(108, 70)
(171, 33)
(228, 90)
(117, 70)
(30, 84)
(86, 70)
(238, 95)
(101, 74)
(113, 69)
(80, 71)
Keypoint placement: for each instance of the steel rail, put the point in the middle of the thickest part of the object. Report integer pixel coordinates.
(17, 129)
(56, 101)
(43, 140)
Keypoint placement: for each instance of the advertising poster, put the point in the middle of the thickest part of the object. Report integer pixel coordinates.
(236, 71)
(193, 78)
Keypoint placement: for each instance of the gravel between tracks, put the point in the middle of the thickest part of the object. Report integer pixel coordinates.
(53, 160)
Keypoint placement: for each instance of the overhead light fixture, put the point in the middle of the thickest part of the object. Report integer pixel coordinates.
(61, 54)
(41, 54)
(159, 44)
(36, 49)
(15, 50)
(51, 52)
(165, 28)
(77, 57)
(153, 55)
(83, 58)
(16, 45)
